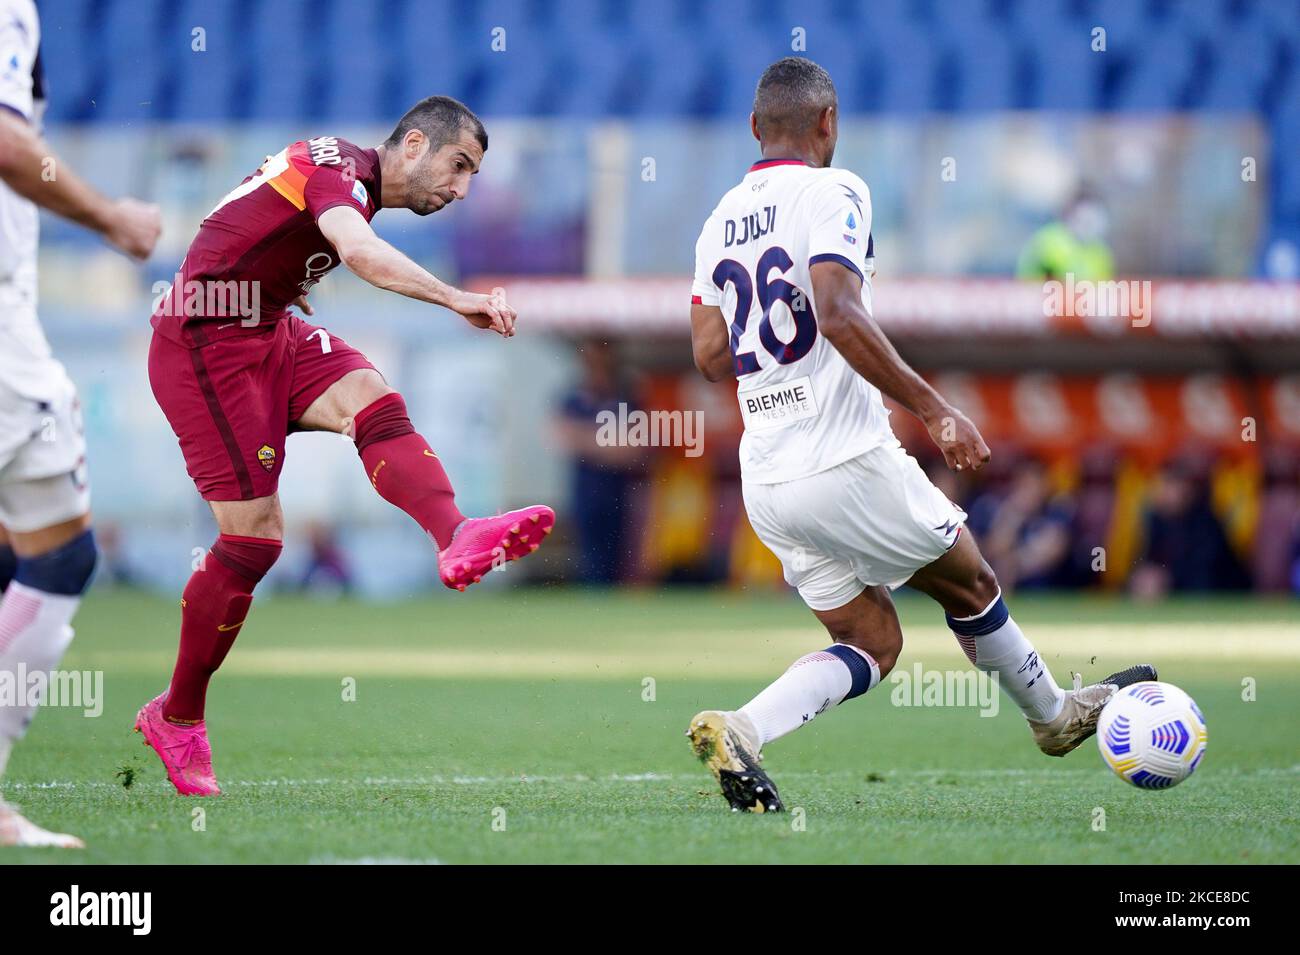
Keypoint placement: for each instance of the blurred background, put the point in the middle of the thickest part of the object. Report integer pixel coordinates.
(1005, 142)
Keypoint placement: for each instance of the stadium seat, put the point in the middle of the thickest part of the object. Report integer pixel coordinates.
(1154, 71)
(1254, 56)
(135, 58)
(598, 58)
(68, 67)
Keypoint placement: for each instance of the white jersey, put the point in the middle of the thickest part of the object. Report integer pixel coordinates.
(26, 364)
(805, 409)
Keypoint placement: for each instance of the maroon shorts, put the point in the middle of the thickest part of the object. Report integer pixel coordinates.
(233, 401)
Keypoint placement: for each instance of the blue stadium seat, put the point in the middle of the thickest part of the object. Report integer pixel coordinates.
(985, 65)
(66, 26)
(676, 73)
(1286, 172)
(1057, 67)
(911, 77)
(324, 62)
(274, 83)
(192, 84)
(595, 76)
(127, 43)
(418, 64)
(1125, 19)
(1245, 61)
(353, 78)
(1157, 71)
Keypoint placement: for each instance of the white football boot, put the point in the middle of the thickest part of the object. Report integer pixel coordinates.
(1083, 704)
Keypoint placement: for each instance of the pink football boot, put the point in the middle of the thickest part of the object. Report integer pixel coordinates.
(184, 750)
(482, 543)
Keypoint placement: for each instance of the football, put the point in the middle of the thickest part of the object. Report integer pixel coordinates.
(1152, 735)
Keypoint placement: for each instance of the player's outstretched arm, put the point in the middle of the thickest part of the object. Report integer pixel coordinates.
(709, 342)
(370, 258)
(29, 168)
(844, 321)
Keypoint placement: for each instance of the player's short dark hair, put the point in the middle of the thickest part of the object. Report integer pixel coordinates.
(791, 95)
(441, 119)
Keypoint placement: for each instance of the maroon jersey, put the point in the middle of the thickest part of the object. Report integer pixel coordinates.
(261, 248)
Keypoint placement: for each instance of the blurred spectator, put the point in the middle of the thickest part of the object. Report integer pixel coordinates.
(603, 475)
(1295, 566)
(982, 500)
(1029, 537)
(327, 567)
(1275, 557)
(1094, 512)
(1074, 244)
(1185, 544)
(944, 478)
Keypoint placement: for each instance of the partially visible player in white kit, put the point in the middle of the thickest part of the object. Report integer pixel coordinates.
(47, 549)
(782, 301)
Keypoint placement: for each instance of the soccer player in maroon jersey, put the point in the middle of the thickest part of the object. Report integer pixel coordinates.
(234, 371)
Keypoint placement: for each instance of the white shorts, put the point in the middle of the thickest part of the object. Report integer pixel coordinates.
(42, 460)
(874, 520)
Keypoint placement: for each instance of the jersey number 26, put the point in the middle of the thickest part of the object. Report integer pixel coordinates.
(770, 291)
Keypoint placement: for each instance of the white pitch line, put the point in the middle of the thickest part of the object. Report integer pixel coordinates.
(839, 774)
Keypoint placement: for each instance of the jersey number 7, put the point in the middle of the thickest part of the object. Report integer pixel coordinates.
(769, 293)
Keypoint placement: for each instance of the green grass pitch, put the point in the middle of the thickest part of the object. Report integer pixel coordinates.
(547, 726)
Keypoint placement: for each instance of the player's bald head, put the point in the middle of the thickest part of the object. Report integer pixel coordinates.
(792, 94)
(441, 119)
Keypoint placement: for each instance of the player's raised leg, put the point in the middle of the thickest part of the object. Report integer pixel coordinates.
(43, 572)
(965, 586)
(406, 472)
(214, 606)
(867, 640)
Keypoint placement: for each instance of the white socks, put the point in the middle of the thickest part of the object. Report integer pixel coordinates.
(994, 643)
(34, 633)
(821, 680)
(813, 684)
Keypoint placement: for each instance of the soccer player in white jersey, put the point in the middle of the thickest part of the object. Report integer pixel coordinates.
(47, 548)
(782, 301)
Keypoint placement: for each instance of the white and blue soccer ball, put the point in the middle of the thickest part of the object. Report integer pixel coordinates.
(1152, 735)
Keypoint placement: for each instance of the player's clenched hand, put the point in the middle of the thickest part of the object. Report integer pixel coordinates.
(960, 441)
(485, 311)
(135, 227)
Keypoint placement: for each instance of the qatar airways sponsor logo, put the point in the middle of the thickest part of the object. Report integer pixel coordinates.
(318, 263)
(211, 298)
